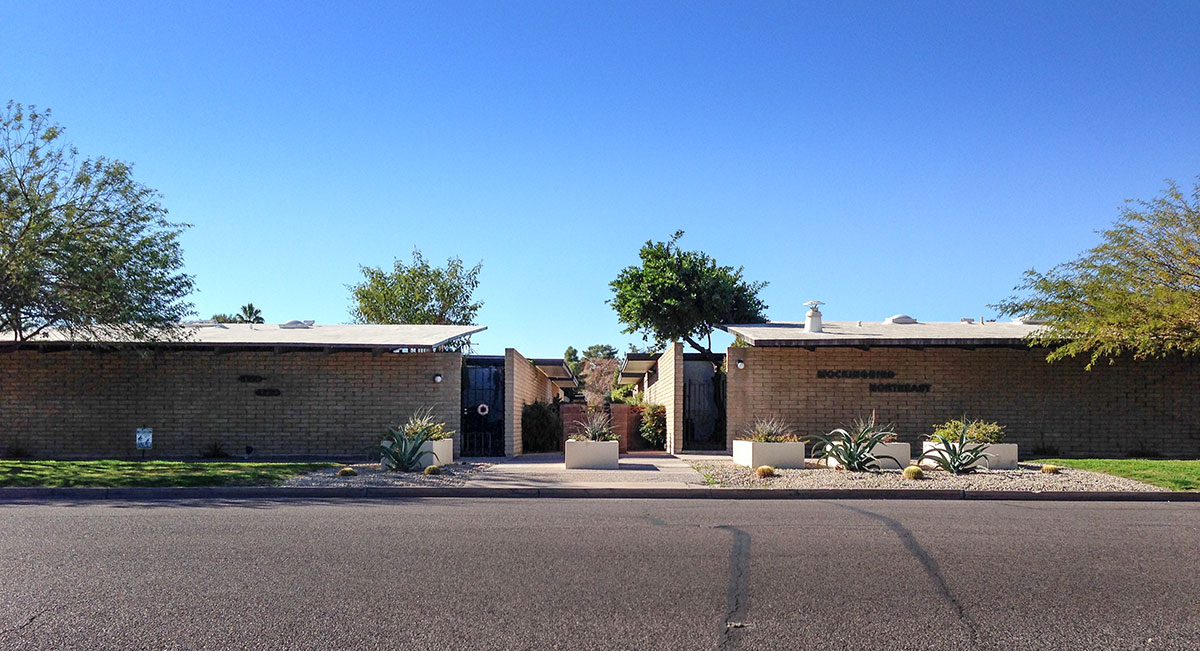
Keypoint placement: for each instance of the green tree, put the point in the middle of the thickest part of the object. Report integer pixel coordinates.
(249, 314)
(677, 295)
(1137, 292)
(571, 358)
(225, 318)
(417, 293)
(84, 248)
(600, 351)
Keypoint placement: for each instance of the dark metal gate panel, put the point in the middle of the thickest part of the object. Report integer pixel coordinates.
(701, 417)
(482, 428)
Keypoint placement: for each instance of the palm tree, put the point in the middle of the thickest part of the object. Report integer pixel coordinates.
(249, 314)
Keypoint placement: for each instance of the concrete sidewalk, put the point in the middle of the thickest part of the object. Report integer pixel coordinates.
(650, 470)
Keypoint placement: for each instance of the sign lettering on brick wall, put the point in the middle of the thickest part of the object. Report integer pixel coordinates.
(861, 374)
(854, 374)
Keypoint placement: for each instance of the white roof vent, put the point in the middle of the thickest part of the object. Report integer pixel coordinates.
(966, 319)
(900, 319)
(296, 325)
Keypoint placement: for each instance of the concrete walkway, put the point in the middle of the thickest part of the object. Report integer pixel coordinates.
(637, 470)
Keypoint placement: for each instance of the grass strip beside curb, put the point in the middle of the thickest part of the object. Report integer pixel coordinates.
(147, 474)
(1172, 474)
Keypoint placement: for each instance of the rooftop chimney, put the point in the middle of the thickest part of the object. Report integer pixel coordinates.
(812, 320)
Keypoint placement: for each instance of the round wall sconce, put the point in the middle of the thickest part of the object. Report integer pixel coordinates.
(741, 365)
(437, 378)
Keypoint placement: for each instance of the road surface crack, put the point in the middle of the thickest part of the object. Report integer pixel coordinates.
(31, 618)
(737, 595)
(928, 564)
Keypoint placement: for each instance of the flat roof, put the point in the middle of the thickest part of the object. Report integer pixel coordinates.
(635, 365)
(557, 370)
(297, 335)
(875, 333)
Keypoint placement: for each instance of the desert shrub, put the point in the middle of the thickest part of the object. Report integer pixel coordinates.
(914, 472)
(347, 472)
(764, 471)
(401, 449)
(433, 470)
(541, 428)
(654, 425)
(978, 431)
(422, 422)
(595, 426)
(769, 430)
(956, 454)
(852, 449)
(1051, 469)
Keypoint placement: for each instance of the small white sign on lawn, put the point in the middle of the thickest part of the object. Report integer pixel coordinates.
(145, 437)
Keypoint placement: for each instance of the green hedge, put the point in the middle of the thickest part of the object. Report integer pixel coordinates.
(541, 428)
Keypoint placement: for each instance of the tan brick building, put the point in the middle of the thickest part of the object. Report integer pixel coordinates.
(300, 390)
(915, 375)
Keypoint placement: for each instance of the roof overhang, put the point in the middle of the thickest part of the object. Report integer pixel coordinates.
(861, 334)
(636, 365)
(402, 337)
(558, 372)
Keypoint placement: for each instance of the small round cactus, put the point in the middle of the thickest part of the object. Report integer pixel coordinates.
(433, 470)
(765, 471)
(347, 472)
(1050, 469)
(914, 472)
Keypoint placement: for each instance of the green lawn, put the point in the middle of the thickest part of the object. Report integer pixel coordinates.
(1164, 473)
(113, 474)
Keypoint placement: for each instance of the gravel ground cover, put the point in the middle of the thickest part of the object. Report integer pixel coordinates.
(1027, 477)
(370, 474)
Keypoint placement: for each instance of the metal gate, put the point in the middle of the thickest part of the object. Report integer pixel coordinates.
(701, 417)
(482, 428)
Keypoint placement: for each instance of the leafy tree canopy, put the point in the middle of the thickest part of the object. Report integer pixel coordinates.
(248, 314)
(571, 358)
(417, 293)
(600, 351)
(83, 247)
(678, 295)
(1137, 292)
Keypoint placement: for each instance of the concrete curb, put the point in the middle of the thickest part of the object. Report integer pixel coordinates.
(8, 495)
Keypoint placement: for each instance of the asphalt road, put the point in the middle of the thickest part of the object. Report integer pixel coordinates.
(600, 574)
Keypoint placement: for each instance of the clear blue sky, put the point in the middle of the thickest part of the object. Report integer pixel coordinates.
(881, 157)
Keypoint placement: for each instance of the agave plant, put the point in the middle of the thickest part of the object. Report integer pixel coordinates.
(852, 450)
(401, 450)
(595, 426)
(956, 453)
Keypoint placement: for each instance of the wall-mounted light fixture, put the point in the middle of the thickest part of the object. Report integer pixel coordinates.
(741, 365)
(437, 378)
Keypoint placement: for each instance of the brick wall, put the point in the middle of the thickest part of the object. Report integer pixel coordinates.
(571, 413)
(1151, 405)
(523, 384)
(625, 423)
(664, 386)
(79, 404)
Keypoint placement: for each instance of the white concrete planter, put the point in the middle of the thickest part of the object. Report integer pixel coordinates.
(443, 452)
(901, 451)
(1004, 455)
(776, 455)
(593, 455)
